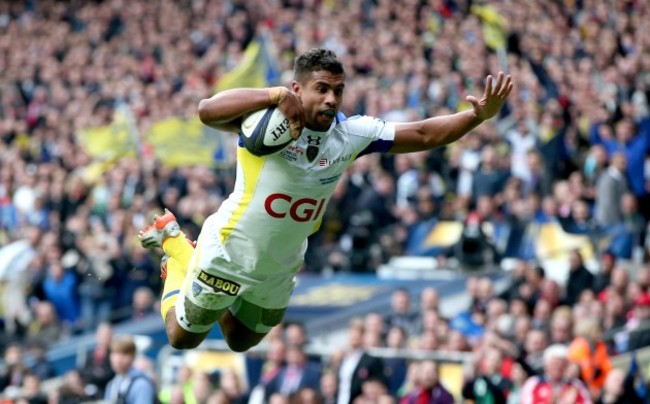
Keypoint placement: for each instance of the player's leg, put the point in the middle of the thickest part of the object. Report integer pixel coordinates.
(249, 318)
(243, 334)
(175, 307)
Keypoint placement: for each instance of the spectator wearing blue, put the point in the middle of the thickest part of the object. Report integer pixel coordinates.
(633, 140)
(129, 386)
(489, 179)
(60, 288)
(626, 233)
(297, 374)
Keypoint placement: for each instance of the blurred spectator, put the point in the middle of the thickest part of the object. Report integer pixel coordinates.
(395, 367)
(143, 303)
(31, 390)
(518, 376)
(181, 391)
(611, 185)
(96, 370)
(489, 179)
(60, 286)
(534, 348)
(375, 327)
(427, 386)
(296, 374)
(296, 334)
(328, 387)
(356, 366)
(231, 384)
(626, 233)
(40, 366)
(637, 329)
(552, 386)
(561, 326)
(306, 395)
(203, 387)
(590, 352)
(429, 299)
(45, 327)
(129, 385)
(275, 360)
(16, 258)
(401, 314)
(371, 391)
(488, 384)
(619, 389)
(618, 284)
(517, 278)
(71, 391)
(603, 277)
(13, 368)
(579, 278)
(278, 398)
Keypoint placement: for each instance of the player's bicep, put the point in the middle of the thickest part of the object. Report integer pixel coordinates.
(410, 137)
(230, 126)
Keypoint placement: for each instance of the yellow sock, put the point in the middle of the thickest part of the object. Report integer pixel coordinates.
(180, 252)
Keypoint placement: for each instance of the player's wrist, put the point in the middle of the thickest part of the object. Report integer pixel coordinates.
(476, 117)
(277, 94)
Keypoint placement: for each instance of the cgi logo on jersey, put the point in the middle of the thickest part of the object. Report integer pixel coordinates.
(300, 210)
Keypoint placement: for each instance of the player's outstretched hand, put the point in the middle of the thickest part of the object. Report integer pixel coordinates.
(493, 98)
(291, 107)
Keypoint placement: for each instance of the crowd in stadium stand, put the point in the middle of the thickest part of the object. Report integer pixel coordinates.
(570, 148)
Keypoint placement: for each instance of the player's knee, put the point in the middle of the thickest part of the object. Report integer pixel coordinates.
(181, 339)
(239, 344)
(182, 343)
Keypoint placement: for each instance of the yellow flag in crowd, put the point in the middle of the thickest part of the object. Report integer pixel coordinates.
(178, 142)
(495, 26)
(258, 68)
(119, 139)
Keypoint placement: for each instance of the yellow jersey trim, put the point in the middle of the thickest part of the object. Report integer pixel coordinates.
(252, 168)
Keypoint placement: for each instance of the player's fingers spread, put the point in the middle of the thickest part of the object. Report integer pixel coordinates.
(488, 85)
(507, 85)
(472, 100)
(497, 87)
(508, 90)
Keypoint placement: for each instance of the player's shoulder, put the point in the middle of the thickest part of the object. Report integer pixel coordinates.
(360, 125)
(359, 120)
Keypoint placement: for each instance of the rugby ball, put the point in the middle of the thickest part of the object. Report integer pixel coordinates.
(265, 131)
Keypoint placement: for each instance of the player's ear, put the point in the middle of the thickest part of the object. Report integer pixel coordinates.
(296, 87)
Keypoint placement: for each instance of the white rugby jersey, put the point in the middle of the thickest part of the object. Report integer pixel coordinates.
(280, 199)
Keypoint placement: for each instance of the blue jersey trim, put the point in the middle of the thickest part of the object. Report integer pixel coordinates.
(172, 293)
(377, 146)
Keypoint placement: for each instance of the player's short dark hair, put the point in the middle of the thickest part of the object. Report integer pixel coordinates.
(314, 60)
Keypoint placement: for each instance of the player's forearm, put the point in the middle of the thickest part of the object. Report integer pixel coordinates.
(230, 105)
(442, 130)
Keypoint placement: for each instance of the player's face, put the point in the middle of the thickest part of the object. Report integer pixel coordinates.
(321, 97)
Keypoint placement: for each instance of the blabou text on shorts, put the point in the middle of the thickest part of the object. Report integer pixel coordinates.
(218, 284)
